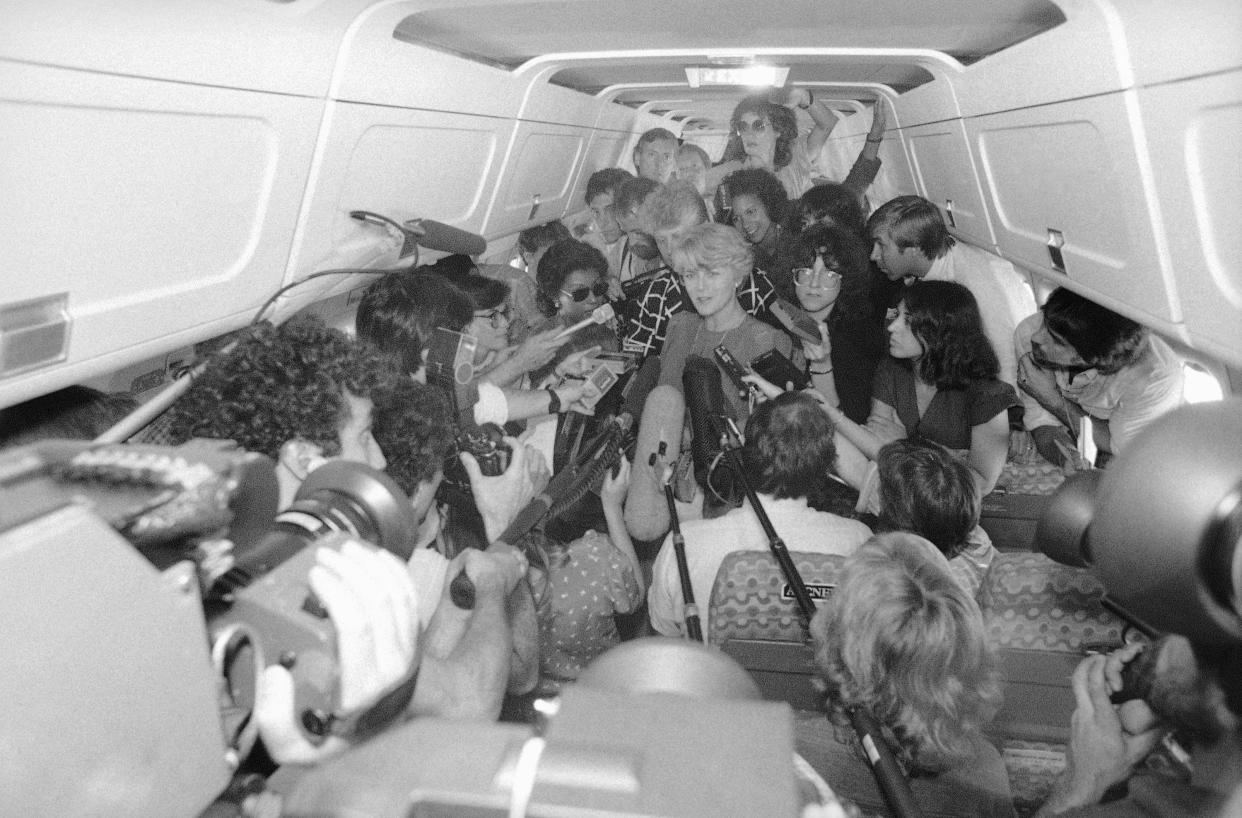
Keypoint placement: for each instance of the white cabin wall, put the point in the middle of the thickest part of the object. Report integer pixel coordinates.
(1139, 180)
(848, 138)
(163, 209)
(166, 170)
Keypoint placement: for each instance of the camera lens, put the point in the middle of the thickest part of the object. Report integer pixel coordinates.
(339, 496)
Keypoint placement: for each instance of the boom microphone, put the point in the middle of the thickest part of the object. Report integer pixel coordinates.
(442, 237)
(706, 403)
(636, 391)
(646, 515)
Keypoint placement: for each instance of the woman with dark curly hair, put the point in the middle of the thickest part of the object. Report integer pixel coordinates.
(901, 640)
(830, 274)
(938, 384)
(758, 213)
(572, 281)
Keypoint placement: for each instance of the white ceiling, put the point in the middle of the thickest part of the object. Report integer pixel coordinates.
(639, 48)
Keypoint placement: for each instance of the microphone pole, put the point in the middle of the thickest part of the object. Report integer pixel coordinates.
(690, 611)
(889, 777)
(731, 440)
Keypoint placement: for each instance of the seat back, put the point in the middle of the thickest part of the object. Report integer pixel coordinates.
(1042, 617)
(754, 618)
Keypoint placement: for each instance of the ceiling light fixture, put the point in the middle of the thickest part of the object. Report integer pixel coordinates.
(752, 75)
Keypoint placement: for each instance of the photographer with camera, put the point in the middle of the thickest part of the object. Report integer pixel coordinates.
(301, 393)
(1190, 690)
(1159, 527)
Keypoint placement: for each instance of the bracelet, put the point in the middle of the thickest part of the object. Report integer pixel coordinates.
(875, 139)
(827, 371)
(554, 405)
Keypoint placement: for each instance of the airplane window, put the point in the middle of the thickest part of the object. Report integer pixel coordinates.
(1201, 386)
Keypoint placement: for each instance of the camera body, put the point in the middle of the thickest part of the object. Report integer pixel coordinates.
(487, 445)
(189, 564)
(1160, 525)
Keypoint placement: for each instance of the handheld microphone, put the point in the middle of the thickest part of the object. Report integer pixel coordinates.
(600, 315)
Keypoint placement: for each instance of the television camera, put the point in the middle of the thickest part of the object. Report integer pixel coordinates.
(145, 587)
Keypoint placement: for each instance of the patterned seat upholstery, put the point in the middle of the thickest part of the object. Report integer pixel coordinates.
(1030, 602)
(1040, 478)
(753, 618)
(751, 599)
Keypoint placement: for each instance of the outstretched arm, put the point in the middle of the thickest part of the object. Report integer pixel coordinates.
(825, 118)
(989, 445)
(612, 496)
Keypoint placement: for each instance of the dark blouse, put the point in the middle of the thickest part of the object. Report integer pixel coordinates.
(857, 347)
(951, 414)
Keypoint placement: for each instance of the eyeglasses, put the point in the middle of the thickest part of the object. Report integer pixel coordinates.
(757, 126)
(810, 277)
(599, 288)
(497, 317)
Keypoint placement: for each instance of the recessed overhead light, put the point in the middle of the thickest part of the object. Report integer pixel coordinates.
(753, 75)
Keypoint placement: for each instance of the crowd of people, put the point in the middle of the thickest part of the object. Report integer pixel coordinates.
(880, 458)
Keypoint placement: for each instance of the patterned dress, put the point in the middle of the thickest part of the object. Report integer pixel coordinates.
(576, 613)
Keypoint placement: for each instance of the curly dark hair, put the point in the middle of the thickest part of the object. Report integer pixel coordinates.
(764, 186)
(1105, 340)
(559, 261)
(842, 251)
(789, 447)
(414, 429)
(783, 122)
(280, 384)
(398, 314)
(533, 239)
(484, 293)
(831, 203)
(945, 318)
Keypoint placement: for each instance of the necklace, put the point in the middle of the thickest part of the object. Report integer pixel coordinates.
(694, 344)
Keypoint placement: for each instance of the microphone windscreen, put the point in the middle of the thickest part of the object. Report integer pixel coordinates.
(440, 236)
(646, 510)
(706, 403)
(635, 392)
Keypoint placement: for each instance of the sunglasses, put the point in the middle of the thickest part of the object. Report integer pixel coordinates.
(758, 126)
(809, 277)
(497, 317)
(581, 294)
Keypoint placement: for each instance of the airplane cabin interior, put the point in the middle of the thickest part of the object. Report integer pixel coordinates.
(174, 171)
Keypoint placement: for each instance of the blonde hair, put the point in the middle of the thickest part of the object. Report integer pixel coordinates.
(714, 247)
(902, 640)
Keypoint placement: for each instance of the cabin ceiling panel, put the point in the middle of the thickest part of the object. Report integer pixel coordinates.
(591, 78)
(510, 33)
